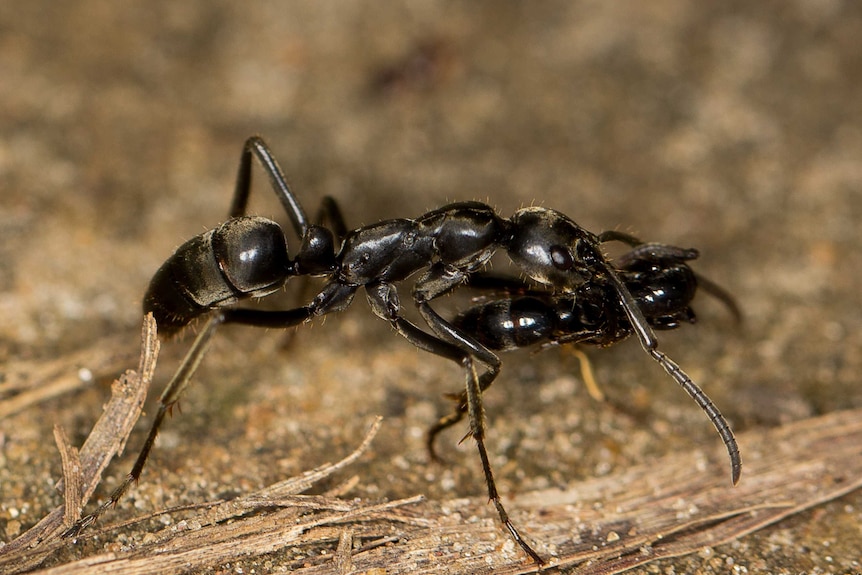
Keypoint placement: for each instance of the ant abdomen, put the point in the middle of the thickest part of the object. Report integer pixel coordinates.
(217, 269)
(508, 324)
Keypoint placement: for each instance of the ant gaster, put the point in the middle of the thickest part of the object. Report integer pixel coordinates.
(247, 257)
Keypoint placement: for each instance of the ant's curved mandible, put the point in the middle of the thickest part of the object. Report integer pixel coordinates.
(247, 257)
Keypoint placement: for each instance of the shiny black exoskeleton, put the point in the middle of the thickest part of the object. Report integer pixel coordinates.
(247, 257)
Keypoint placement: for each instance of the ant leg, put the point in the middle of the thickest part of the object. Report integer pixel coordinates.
(439, 280)
(721, 295)
(454, 336)
(706, 404)
(646, 251)
(650, 344)
(445, 423)
(435, 282)
(448, 332)
(255, 145)
(384, 303)
(485, 381)
(653, 252)
(334, 297)
(587, 374)
(476, 386)
(383, 299)
(643, 250)
(477, 430)
(166, 401)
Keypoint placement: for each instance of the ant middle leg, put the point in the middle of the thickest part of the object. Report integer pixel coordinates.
(435, 282)
(457, 415)
(477, 430)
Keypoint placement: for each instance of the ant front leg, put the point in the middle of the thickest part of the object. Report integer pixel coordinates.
(475, 386)
(655, 252)
(650, 345)
(440, 279)
(384, 302)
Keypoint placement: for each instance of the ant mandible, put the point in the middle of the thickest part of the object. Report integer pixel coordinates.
(247, 257)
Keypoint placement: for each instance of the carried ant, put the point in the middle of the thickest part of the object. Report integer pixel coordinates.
(247, 257)
(656, 275)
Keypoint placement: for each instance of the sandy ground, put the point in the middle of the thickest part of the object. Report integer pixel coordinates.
(735, 128)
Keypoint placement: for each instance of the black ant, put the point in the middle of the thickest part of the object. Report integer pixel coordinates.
(247, 257)
(656, 275)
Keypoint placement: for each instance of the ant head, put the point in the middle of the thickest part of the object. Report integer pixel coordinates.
(664, 290)
(552, 249)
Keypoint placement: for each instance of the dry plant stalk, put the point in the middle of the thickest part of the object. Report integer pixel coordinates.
(606, 525)
(82, 471)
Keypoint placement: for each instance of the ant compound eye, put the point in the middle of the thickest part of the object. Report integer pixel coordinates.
(561, 257)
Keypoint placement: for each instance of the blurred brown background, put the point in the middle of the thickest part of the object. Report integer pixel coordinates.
(732, 127)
